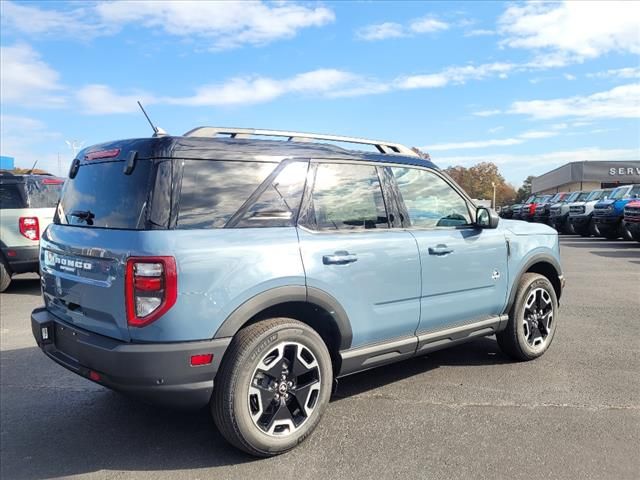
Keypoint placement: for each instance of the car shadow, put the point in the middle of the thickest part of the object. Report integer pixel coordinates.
(58, 425)
(619, 254)
(27, 284)
(600, 243)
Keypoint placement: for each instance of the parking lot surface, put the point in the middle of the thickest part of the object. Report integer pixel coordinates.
(465, 413)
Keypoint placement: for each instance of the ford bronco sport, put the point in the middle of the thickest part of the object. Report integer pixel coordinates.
(249, 274)
(27, 205)
(609, 213)
(581, 213)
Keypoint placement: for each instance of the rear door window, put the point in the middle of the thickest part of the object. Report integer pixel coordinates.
(102, 196)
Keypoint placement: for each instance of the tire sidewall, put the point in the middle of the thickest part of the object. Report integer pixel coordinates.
(537, 282)
(246, 366)
(5, 276)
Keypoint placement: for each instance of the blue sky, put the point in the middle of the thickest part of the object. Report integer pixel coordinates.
(529, 86)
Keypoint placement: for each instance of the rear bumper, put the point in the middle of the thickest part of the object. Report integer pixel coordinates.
(160, 373)
(22, 259)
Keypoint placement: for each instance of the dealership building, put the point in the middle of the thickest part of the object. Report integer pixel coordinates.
(587, 176)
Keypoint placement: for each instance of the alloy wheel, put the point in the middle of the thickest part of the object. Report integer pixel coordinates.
(538, 317)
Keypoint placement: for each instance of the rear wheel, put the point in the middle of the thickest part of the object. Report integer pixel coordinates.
(532, 319)
(273, 386)
(5, 276)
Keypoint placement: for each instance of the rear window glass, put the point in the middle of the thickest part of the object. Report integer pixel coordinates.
(44, 193)
(12, 196)
(212, 193)
(101, 195)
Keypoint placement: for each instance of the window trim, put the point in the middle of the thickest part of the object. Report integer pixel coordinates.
(402, 207)
(305, 220)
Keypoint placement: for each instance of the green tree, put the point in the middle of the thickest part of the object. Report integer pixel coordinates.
(478, 181)
(524, 191)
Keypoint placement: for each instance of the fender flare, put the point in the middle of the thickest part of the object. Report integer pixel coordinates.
(537, 258)
(289, 293)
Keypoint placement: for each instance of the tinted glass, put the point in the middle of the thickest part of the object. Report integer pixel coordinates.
(348, 197)
(44, 193)
(213, 191)
(619, 193)
(101, 195)
(12, 196)
(279, 203)
(430, 201)
(635, 191)
(582, 197)
(161, 196)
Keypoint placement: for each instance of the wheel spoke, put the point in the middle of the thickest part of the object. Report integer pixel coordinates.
(302, 394)
(281, 416)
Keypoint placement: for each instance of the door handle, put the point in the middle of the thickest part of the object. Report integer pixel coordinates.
(339, 258)
(440, 250)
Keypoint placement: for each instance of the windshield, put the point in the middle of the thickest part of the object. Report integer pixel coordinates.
(595, 195)
(530, 199)
(555, 198)
(582, 197)
(572, 197)
(619, 193)
(635, 191)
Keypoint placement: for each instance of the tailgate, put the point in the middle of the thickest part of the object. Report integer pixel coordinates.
(83, 275)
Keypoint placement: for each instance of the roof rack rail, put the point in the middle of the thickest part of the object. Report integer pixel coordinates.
(382, 147)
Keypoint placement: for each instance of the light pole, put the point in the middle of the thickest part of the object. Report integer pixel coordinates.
(493, 204)
(75, 146)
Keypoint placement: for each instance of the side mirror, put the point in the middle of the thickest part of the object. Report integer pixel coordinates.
(486, 218)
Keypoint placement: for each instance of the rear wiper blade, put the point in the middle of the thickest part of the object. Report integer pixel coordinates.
(85, 215)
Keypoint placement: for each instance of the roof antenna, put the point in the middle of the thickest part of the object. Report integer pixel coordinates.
(32, 168)
(157, 131)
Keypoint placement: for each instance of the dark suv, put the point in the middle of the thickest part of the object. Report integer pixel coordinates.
(250, 274)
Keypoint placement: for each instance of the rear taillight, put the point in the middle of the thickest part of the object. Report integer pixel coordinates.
(151, 288)
(29, 227)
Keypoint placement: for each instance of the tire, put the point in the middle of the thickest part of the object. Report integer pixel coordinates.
(624, 232)
(247, 379)
(5, 276)
(514, 340)
(593, 228)
(568, 228)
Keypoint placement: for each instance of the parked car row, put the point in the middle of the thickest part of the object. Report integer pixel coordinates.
(610, 213)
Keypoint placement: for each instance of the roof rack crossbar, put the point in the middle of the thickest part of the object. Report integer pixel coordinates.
(382, 147)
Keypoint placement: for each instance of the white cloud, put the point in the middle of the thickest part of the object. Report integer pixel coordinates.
(628, 72)
(217, 25)
(427, 25)
(487, 113)
(381, 31)
(480, 32)
(619, 102)
(385, 30)
(26, 79)
(29, 139)
(454, 75)
(500, 142)
(571, 30)
(568, 76)
(98, 99)
(496, 129)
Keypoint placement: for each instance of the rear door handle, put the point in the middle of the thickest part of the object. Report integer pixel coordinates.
(440, 250)
(339, 258)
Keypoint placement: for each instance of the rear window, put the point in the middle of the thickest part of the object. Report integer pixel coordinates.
(102, 196)
(12, 196)
(225, 194)
(44, 193)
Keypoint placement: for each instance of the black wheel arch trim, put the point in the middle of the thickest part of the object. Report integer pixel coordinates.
(284, 294)
(537, 258)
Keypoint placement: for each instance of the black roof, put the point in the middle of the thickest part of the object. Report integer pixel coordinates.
(245, 149)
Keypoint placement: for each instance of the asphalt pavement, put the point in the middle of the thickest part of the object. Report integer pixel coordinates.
(462, 413)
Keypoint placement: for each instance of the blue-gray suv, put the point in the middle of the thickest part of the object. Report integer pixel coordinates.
(244, 274)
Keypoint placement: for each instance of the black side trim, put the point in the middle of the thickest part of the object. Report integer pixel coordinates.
(290, 293)
(370, 356)
(538, 258)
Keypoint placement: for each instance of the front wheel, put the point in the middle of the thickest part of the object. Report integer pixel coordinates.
(593, 228)
(625, 233)
(273, 386)
(532, 319)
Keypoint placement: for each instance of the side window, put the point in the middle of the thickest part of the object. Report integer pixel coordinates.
(212, 191)
(348, 197)
(278, 204)
(430, 201)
